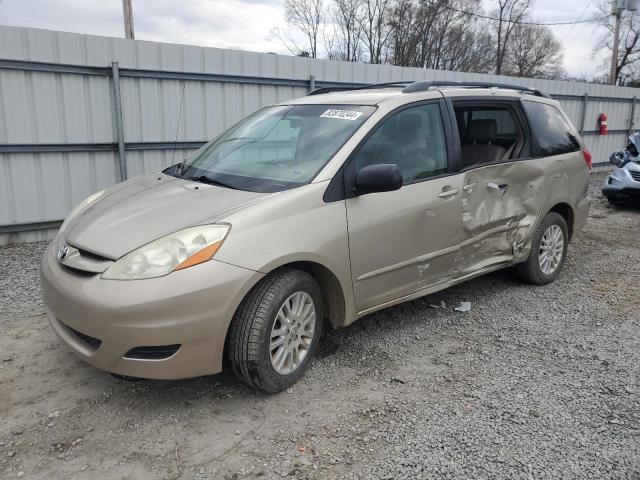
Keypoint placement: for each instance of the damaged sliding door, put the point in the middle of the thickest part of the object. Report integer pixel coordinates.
(500, 204)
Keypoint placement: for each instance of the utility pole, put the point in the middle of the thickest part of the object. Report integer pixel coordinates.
(616, 9)
(617, 6)
(128, 19)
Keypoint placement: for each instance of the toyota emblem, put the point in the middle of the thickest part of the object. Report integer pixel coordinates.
(64, 250)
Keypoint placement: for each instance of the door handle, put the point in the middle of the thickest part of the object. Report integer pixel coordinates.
(502, 188)
(449, 193)
(468, 186)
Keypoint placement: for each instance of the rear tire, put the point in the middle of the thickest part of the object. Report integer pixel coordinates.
(546, 260)
(272, 338)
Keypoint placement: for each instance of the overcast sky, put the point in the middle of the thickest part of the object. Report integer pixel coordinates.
(246, 24)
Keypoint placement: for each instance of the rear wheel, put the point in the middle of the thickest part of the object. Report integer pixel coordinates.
(275, 331)
(548, 251)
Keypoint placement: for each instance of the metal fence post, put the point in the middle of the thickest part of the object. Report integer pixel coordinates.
(117, 105)
(632, 116)
(312, 83)
(583, 115)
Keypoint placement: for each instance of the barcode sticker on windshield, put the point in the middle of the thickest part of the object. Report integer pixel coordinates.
(341, 114)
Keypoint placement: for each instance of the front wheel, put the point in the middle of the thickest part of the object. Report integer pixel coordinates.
(548, 251)
(275, 331)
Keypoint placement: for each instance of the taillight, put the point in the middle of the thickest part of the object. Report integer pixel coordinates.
(587, 158)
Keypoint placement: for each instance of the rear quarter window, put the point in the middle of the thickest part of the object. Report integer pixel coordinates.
(552, 134)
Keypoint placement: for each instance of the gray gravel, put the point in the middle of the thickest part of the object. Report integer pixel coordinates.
(532, 383)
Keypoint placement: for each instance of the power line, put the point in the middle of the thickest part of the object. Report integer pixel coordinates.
(521, 22)
(575, 37)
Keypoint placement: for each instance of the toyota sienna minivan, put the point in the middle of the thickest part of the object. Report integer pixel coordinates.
(316, 211)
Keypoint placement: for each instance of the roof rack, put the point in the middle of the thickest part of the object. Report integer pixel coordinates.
(422, 86)
(320, 91)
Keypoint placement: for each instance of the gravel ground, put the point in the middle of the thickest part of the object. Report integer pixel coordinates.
(532, 383)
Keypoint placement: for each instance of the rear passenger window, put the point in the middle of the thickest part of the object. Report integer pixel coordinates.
(413, 139)
(552, 135)
(488, 134)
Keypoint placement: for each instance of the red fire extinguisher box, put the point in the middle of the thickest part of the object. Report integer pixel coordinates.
(602, 124)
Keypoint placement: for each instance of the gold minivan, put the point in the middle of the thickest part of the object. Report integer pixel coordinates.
(313, 212)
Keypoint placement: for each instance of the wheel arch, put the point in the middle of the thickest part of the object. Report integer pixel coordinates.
(337, 293)
(565, 211)
(333, 297)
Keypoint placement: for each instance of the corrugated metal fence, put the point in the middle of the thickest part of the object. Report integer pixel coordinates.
(80, 112)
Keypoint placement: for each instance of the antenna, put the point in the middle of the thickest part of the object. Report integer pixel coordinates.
(175, 143)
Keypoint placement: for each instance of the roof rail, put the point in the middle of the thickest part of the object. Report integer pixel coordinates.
(421, 86)
(320, 91)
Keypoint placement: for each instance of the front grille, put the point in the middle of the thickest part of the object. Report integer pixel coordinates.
(79, 272)
(152, 353)
(635, 176)
(94, 343)
(84, 263)
(93, 256)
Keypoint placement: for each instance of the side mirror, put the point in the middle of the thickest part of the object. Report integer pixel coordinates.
(378, 178)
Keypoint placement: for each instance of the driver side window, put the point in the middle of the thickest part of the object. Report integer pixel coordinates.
(413, 139)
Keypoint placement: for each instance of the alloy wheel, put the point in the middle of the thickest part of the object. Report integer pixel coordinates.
(551, 249)
(292, 333)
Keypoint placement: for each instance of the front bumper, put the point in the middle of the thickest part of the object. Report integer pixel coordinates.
(625, 192)
(191, 308)
(622, 183)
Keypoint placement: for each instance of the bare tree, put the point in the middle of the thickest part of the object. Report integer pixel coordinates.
(439, 35)
(627, 65)
(508, 14)
(436, 34)
(347, 20)
(284, 36)
(407, 22)
(376, 28)
(533, 52)
(305, 16)
(469, 47)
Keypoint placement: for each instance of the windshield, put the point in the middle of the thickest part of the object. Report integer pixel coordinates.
(275, 149)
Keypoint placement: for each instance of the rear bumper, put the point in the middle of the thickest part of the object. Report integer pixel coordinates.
(581, 214)
(102, 320)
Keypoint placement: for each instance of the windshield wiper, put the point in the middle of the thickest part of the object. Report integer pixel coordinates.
(210, 181)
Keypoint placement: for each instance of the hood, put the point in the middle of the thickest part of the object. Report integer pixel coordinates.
(138, 211)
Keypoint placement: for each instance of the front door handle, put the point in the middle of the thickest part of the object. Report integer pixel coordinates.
(449, 193)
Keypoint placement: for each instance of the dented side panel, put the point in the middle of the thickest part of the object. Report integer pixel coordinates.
(503, 204)
(500, 207)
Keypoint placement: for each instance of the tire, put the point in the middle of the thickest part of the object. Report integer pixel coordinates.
(531, 271)
(255, 321)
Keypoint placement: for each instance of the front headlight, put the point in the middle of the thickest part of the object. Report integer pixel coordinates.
(179, 250)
